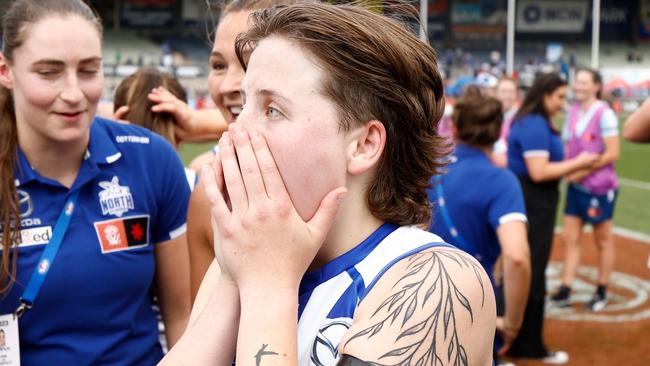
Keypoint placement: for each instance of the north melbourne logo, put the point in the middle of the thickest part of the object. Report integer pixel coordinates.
(115, 199)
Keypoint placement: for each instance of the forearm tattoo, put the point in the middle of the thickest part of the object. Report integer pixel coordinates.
(427, 283)
(263, 352)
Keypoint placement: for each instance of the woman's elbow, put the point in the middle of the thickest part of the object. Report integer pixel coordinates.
(536, 176)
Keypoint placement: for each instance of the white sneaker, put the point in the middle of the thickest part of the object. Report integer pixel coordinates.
(505, 363)
(556, 358)
(597, 303)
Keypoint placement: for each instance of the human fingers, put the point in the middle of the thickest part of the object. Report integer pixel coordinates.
(162, 107)
(220, 211)
(232, 174)
(273, 182)
(218, 174)
(324, 216)
(248, 165)
(505, 348)
(120, 114)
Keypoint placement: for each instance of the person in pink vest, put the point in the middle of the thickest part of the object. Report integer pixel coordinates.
(591, 126)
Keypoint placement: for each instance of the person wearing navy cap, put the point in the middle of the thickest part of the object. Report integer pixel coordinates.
(93, 211)
(535, 155)
(487, 219)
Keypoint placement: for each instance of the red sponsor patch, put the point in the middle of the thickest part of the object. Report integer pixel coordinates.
(593, 212)
(123, 233)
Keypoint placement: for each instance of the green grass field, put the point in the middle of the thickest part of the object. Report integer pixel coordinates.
(633, 208)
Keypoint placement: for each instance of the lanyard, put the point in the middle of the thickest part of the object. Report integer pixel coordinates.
(470, 249)
(48, 255)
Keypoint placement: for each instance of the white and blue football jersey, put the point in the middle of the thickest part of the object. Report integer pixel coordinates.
(329, 297)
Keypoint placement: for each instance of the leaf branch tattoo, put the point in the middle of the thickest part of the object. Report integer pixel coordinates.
(262, 352)
(414, 289)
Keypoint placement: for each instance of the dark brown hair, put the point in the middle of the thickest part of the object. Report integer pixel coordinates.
(545, 84)
(478, 120)
(374, 70)
(248, 5)
(133, 91)
(15, 23)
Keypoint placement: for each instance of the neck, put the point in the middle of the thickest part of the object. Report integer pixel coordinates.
(58, 161)
(352, 225)
(585, 104)
(485, 149)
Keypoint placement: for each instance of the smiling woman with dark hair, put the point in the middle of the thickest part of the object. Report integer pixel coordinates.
(535, 155)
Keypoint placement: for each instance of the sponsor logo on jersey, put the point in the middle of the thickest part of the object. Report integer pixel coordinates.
(34, 236)
(132, 139)
(115, 199)
(325, 349)
(25, 203)
(123, 234)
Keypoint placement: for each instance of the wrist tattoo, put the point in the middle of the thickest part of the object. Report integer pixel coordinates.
(263, 352)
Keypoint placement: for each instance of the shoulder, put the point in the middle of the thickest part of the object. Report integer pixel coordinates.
(439, 296)
(129, 136)
(502, 178)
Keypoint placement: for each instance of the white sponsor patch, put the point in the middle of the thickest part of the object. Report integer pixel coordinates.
(132, 139)
(35, 236)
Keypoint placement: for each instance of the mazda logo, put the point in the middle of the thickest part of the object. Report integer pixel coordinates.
(25, 203)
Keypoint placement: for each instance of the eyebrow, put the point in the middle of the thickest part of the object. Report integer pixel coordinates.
(53, 62)
(272, 93)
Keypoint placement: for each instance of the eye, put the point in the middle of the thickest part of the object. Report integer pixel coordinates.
(89, 72)
(273, 113)
(46, 72)
(218, 66)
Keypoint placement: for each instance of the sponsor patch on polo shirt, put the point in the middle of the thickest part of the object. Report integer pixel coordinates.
(123, 233)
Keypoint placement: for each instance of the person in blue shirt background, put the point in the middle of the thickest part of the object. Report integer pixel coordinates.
(487, 219)
(113, 196)
(535, 155)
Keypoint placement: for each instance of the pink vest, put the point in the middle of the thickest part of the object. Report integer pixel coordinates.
(507, 123)
(604, 179)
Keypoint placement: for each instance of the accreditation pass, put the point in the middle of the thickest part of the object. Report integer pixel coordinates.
(9, 342)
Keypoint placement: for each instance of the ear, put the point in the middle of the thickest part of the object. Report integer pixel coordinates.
(454, 130)
(5, 72)
(365, 146)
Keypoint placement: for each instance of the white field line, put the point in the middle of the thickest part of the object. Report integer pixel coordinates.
(633, 183)
(620, 231)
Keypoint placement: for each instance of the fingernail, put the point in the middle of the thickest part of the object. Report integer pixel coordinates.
(341, 195)
(256, 138)
(225, 139)
(205, 171)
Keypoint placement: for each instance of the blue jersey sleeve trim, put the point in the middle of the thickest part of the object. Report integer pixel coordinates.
(363, 294)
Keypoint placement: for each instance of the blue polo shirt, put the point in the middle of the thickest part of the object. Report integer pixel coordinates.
(95, 306)
(532, 136)
(479, 197)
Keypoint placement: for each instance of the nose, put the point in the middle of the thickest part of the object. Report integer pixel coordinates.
(71, 92)
(232, 82)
